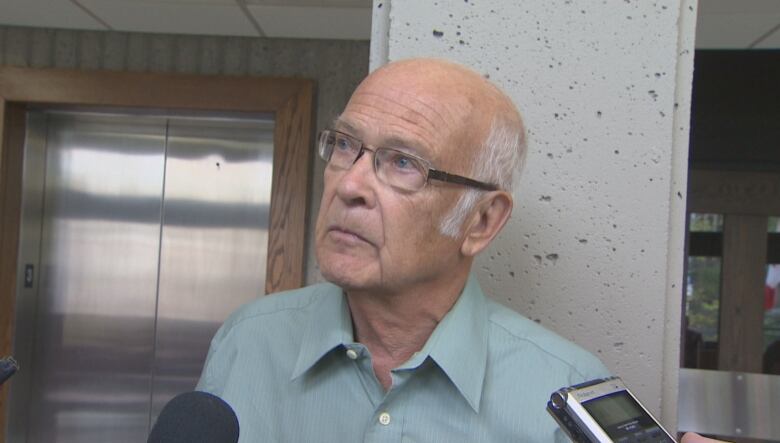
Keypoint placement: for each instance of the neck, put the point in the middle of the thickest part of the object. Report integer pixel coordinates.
(393, 326)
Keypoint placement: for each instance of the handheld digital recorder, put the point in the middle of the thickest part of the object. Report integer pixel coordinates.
(604, 411)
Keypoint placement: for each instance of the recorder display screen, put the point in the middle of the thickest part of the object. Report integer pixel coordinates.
(614, 409)
(623, 419)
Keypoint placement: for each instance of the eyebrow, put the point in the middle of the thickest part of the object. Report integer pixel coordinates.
(392, 142)
(339, 122)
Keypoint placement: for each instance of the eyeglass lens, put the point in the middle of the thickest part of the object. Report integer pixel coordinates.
(392, 167)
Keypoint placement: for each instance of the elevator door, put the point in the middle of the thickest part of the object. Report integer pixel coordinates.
(140, 234)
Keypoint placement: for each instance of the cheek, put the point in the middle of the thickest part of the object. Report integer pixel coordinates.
(329, 180)
(328, 192)
(411, 226)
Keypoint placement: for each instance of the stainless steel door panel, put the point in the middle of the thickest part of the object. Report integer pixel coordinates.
(27, 295)
(214, 239)
(100, 243)
(729, 404)
(125, 305)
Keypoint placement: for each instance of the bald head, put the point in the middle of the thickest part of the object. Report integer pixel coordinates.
(444, 78)
(458, 98)
(478, 126)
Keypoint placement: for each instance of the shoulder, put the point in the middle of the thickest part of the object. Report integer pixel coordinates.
(525, 364)
(516, 336)
(281, 307)
(270, 325)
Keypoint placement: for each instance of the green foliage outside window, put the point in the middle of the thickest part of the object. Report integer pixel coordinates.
(703, 292)
(703, 299)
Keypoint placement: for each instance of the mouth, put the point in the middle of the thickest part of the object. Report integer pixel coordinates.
(342, 234)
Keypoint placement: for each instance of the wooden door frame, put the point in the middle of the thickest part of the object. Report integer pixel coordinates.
(290, 100)
(746, 199)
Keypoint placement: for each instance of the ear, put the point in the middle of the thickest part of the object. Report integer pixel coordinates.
(485, 221)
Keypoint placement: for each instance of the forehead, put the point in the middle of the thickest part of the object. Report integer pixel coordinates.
(413, 116)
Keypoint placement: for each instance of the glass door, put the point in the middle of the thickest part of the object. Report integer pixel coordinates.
(730, 353)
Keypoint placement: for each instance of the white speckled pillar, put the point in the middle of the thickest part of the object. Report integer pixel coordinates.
(594, 249)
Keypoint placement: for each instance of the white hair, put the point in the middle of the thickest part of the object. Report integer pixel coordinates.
(499, 161)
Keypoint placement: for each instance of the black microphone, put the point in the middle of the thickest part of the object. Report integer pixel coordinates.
(195, 417)
(8, 367)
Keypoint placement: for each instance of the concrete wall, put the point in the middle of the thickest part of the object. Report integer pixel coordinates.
(594, 249)
(336, 65)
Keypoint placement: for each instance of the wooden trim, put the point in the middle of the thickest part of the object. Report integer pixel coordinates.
(12, 128)
(129, 89)
(293, 127)
(742, 288)
(732, 192)
(291, 101)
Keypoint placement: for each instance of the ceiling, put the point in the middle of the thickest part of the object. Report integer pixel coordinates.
(737, 24)
(732, 24)
(323, 19)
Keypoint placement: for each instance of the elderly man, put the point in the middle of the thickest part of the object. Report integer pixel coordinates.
(401, 345)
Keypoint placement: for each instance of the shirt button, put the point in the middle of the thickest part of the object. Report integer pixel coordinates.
(384, 418)
(352, 354)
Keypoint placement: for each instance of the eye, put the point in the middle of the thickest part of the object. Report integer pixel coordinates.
(342, 143)
(400, 170)
(402, 162)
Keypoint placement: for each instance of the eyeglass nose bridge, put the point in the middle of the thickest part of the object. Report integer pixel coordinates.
(363, 149)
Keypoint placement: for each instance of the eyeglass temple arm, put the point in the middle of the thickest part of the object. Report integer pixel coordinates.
(452, 178)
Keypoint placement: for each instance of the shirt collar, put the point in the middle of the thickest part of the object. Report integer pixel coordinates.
(329, 325)
(458, 345)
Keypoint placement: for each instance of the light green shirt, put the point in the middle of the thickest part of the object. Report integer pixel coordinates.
(290, 368)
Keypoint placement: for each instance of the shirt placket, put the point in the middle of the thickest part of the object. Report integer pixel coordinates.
(386, 423)
(389, 420)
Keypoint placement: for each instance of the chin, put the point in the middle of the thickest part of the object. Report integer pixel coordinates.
(344, 281)
(348, 269)
(347, 277)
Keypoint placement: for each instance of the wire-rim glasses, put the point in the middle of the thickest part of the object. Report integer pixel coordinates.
(392, 166)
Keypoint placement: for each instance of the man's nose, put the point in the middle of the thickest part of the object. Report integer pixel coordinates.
(358, 184)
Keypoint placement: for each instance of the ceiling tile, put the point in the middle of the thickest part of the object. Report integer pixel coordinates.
(739, 6)
(348, 3)
(301, 3)
(46, 14)
(180, 2)
(298, 3)
(322, 3)
(176, 17)
(772, 41)
(314, 22)
(284, 2)
(732, 31)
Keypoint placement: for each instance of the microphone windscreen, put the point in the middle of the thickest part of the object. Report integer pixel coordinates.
(195, 417)
(8, 367)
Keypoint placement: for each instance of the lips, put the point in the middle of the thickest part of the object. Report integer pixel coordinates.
(341, 233)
